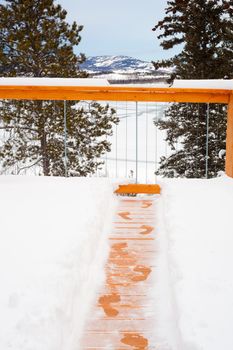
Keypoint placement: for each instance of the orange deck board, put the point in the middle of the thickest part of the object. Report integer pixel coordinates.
(122, 316)
(138, 188)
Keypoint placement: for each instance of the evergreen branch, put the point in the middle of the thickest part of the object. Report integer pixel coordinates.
(19, 127)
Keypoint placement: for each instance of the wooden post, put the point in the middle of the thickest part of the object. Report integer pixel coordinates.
(229, 142)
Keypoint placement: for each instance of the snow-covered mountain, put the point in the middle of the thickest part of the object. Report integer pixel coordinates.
(107, 64)
(123, 69)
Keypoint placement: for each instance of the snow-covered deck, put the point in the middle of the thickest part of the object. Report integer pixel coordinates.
(53, 255)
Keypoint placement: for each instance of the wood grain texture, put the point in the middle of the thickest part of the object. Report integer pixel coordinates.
(114, 93)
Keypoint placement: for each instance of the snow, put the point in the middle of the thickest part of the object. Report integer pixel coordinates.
(189, 84)
(222, 153)
(53, 247)
(204, 84)
(27, 81)
(195, 244)
(52, 252)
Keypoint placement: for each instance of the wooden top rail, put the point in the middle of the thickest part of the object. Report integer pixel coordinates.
(115, 93)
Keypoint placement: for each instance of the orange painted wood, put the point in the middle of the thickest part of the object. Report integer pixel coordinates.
(138, 188)
(114, 93)
(122, 316)
(229, 140)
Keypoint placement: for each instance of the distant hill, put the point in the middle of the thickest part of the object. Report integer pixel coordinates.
(102, 64)
(123, 69)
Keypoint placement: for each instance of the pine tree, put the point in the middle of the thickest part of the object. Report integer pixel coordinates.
(36, 41)
(204, 31)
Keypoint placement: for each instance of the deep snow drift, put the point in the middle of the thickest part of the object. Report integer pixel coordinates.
(195, 238)
(52, 251)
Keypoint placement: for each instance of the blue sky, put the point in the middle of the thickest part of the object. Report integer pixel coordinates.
(121, 27)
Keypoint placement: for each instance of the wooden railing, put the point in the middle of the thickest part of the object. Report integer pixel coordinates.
(123, 93)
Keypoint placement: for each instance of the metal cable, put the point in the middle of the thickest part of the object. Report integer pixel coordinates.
(136, 122)
(146, 142)
(116, 146)
(207, 140)
(126, 140)
(156, 142)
